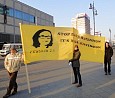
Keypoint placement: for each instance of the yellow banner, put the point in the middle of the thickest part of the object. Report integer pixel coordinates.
(92, 47)
(57, 43)
(39, 43)
(64, 42)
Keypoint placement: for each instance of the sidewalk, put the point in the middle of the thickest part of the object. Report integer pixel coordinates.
(52, 79)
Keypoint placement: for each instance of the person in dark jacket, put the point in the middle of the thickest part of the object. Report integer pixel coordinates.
(76, 66)
(107, 58)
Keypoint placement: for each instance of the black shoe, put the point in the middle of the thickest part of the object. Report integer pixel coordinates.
(105, 73)
(79, 85)
(6, 95)
(109, 73)
(14, 92)
(74, 83)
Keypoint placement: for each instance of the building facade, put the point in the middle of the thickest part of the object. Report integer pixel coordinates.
(82, 23)
(13, 12)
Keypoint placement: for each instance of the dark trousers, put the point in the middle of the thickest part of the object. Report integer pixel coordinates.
(12, 82)
(109, 66)
(77, 74)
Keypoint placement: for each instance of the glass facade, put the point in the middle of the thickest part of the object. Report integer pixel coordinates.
(18, 14)
(10, 38)
(21, 15)
(12, 13)
(1, 9)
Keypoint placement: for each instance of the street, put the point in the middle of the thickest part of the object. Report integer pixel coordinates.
(1, 62)
(52, 79)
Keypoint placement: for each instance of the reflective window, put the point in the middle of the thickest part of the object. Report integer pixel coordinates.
(25, 16)
(1, 9)
(18, 14)
(11, 12)
(32, 18)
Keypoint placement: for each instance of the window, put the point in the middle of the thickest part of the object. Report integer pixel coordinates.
(25, 16)
(4, 9)
(1, 9)
(18, 14)
(32, 18)
(10, 12)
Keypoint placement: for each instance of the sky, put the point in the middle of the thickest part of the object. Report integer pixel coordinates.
(64, 10)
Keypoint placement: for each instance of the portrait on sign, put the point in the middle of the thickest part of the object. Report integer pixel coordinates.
(42, 38)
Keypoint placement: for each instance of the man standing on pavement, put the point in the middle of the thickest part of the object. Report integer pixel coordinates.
(12, 64)
(107, 58)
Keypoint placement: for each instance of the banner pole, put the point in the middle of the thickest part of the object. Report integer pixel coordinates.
(28, 81)
(71, 75)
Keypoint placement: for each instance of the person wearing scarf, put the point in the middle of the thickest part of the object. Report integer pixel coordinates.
(76, 66)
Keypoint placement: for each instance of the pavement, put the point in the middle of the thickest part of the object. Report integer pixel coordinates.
(52, 79)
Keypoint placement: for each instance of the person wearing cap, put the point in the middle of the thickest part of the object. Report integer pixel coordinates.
(12, 64)
(107, 58)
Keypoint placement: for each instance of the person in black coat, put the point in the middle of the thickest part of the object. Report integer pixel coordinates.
(76, 66)
(107, 58)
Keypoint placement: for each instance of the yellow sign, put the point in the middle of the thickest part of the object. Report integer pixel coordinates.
(57, 43)
(39, 43)
(64, 42)
(91, 47)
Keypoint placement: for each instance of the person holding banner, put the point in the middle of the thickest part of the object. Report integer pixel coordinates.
(12, 64)
(76, 66)
(107, 58)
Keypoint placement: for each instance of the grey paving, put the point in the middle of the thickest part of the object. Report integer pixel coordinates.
(52, 79)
